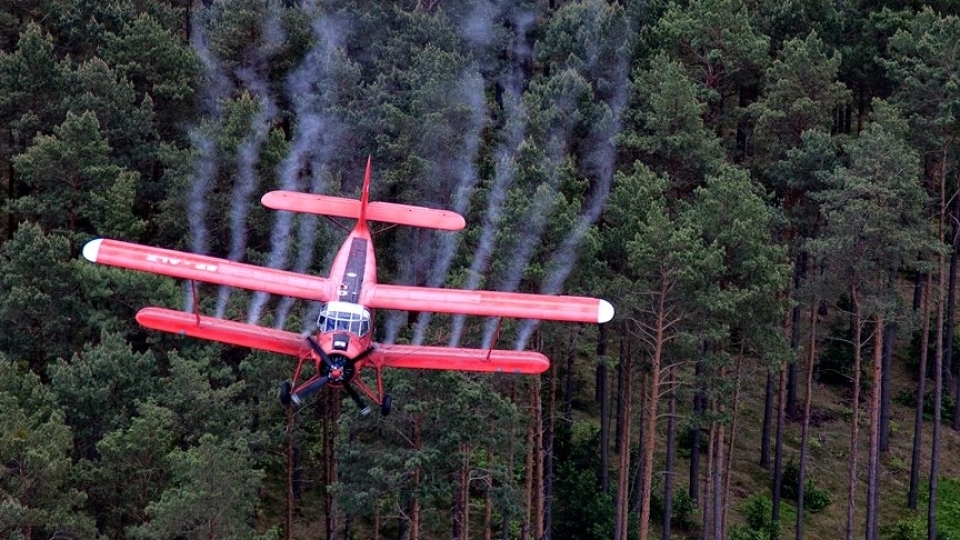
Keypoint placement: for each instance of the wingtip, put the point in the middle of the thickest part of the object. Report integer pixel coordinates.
(605, 312)
(92, 249)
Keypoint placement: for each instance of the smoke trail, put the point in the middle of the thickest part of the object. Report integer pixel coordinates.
(537, 215)
(312, 88)
(505, 170)
(471, 88)
(515, 125)
(248, 154)
(600, 163)
(307, 227)
(216, 86)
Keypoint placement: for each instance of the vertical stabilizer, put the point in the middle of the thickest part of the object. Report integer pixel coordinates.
(365, 194)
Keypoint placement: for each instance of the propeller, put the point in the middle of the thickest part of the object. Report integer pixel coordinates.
(340, 371)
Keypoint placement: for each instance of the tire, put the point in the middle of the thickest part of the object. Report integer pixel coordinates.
(284, 394)
(385, 406)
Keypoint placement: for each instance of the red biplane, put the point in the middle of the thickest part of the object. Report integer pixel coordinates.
(343, 342)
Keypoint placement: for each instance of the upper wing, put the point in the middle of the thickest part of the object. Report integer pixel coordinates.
(488, 303)
(415, 357)
(224, 331)
(184, 265)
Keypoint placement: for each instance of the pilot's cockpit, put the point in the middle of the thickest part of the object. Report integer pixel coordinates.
(344, 316)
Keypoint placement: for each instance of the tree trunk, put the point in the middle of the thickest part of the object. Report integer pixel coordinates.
(415, 480)
(708, 500)
(855, 417)
(488, 502)
(465, 491)
(952, 311)
(638, 478)
(889, 335)
(873, 465)
(913, 493)
(650, 429)
(799, 272)
(718, 479)
(621, 380)
(569, 374)
(288, 532)
(549, 437)
(623, 447)
(698, 406)
(937, 403)
(668, 460)
(603, 398)
(805, 432)
(331, 413)
(538, 460)
(778, 446)
(734, 418)
(528, 483)
(767, 420)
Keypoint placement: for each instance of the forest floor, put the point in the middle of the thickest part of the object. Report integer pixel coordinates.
(828, 457)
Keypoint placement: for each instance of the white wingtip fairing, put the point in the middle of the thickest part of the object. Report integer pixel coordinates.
(91, 249)
(605, 313)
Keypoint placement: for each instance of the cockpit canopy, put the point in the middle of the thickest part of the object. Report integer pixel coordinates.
(344, 316)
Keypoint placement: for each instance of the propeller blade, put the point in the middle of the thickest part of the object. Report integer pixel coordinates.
(320, 352)
(309, 389)
(364, 408)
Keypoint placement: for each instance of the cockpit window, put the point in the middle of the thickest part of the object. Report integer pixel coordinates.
(344, 317)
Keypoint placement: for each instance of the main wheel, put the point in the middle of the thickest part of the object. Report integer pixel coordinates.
(284, 394)
(385, 406)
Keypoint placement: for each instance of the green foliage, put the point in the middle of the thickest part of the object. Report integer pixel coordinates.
(908, 398)
(102, 107)
(801, 93)
(75, 189)
(40, 309)
(914, 527)
(39, 499)
(581, 508)
(132, 468)
(98, 388)
(684, 513)
(757, 511)
(213, 493)
(814, 499)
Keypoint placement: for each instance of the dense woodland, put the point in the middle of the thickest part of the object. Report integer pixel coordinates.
(767, 190)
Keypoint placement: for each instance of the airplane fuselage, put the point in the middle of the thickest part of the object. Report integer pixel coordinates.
(345, 326)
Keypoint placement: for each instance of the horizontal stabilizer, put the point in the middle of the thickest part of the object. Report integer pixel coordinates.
(224, 331)
(401, 214)
(483, 360)
(179, 264)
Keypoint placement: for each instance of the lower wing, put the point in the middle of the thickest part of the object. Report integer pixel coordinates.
(488, 303)
(449, 358)
(291, 344)
(223, 331)
(179, 264)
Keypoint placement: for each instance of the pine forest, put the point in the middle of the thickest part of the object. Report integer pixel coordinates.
(767, 191)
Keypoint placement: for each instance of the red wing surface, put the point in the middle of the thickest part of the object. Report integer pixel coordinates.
(401, 214)
(488, 303)
(183, 265)
(214, 329)
(448, 358)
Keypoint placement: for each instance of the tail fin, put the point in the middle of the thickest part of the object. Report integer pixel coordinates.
(364, 210)
(365, 192)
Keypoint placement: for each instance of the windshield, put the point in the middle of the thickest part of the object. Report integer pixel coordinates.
(344, 316)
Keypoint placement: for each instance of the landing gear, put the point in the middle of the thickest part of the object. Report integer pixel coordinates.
(385, 406)
(284, 394)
